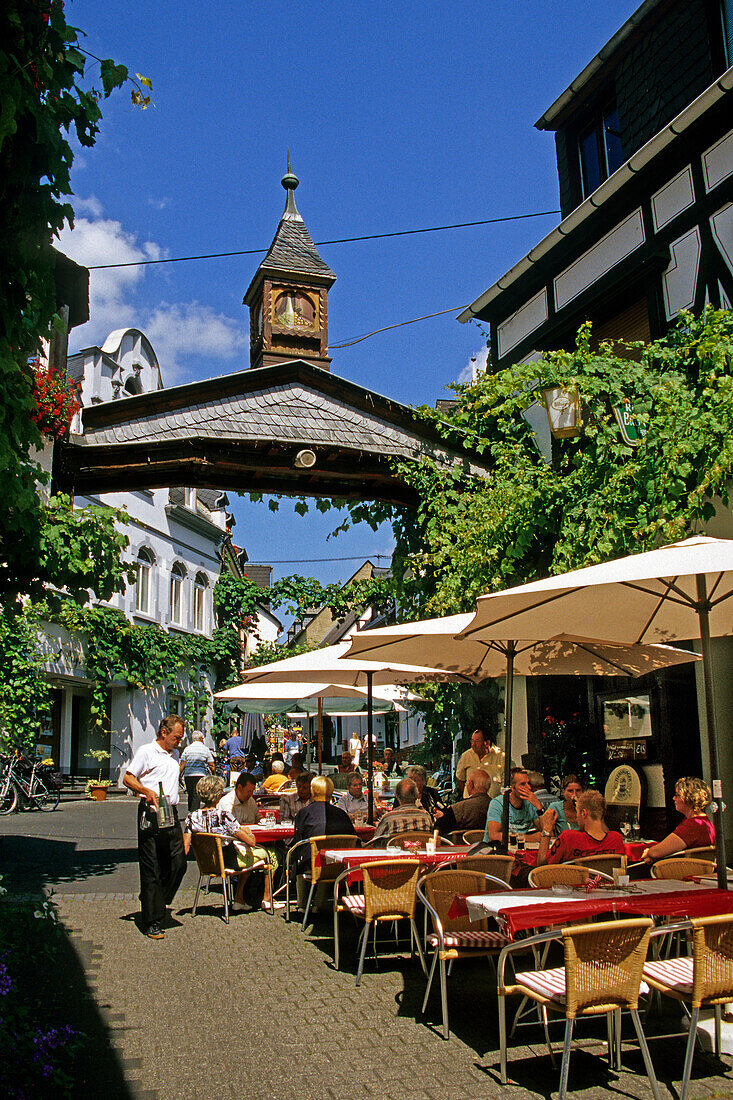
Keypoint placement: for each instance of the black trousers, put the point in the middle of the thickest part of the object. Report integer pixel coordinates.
(193, 799)
(162, 864)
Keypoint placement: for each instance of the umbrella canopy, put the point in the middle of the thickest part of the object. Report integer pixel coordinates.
(328, 665)
(444, 643)
(476, 658)
(679, 591)
(252, 727)
(262, 698)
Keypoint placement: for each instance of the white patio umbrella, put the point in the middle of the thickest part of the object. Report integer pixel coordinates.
(444, 643)
(681, 591)
(329, 665)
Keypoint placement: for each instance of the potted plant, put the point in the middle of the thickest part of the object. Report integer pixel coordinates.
(97, 788)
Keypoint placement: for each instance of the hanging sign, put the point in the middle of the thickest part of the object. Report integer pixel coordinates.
(632, 431)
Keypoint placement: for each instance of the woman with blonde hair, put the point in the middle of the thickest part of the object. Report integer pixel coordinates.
(691, 798)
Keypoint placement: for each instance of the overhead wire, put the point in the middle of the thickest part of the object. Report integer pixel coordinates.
(336, 240)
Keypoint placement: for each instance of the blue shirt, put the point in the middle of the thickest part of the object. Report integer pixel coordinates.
(291, 746)
(234, 746)
(562, 822)
(522, 819)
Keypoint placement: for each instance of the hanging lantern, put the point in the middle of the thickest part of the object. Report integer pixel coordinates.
(563, 411)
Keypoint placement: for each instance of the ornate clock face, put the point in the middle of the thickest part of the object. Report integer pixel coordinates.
(294, 310)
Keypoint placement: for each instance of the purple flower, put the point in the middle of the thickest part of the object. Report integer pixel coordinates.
(6, 982)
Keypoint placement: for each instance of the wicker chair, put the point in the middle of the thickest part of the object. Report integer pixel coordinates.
(324, 872)
(456, 937)
(409, 836)
(705, 978)
(681, 867)
(601, 976)
(602, 862)
(209, 852)
(558, 874)
(699, 853)
(473, 836)
(498, 866)
(390, 894)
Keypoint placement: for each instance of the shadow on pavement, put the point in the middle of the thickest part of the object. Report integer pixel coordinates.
(59, 1041)
(29, 864)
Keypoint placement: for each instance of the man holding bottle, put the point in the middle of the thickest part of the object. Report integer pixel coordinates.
(153, 773)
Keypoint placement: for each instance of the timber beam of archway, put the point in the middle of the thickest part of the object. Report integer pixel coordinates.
(242, 432)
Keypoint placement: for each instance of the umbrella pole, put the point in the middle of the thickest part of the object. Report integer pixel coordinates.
(320, 735)
(508, 720)
(703, 612)
(370, 749)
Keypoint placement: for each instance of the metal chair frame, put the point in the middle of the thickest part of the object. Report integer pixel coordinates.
(611, 1005)
(224, 873)
(443, 954)
(316, 873)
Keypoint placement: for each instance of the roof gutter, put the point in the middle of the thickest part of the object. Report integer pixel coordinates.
(562, 101)
(722, 86)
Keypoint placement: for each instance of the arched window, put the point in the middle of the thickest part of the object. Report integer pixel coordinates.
(178, 575)
(143, 586)
(199, 602)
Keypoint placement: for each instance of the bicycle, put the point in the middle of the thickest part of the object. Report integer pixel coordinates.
(32, 789)
(8, 789)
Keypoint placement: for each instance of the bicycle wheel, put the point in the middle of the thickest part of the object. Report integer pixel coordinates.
(46, 800)
(9, 800)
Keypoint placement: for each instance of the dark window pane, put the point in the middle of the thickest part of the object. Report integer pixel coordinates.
(589, 164)
(612, 140)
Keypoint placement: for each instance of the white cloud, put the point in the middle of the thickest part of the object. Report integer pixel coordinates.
(179, 329)
(91, 206)
(475, 365)
(158, 204)
(116, 297)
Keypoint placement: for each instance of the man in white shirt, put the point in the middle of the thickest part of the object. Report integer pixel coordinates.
(484, 755)
(160, 850)
(240, 802)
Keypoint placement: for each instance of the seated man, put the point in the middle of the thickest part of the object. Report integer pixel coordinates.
(276, 779)
(591, 837)
(524, 808)
(240, 801)
(292, 804)
(253, 766)
(407, 816)
(355, 800)
(320, 818)
(471, 811)
(239, 845)
(537, 783)
(346, 766)
(392, 766)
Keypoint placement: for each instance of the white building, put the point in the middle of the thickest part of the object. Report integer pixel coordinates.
(179, 541)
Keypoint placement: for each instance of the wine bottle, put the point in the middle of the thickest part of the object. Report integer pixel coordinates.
(165, 814)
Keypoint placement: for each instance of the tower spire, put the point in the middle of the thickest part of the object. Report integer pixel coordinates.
(290, 181)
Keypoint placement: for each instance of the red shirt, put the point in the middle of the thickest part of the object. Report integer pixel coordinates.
(573, 844)
(696, 832)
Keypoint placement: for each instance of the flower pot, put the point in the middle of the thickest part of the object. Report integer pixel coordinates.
(99, 794)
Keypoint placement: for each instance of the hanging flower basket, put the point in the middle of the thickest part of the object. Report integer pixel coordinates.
(55, 396)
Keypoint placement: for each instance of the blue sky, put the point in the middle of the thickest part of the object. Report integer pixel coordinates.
(396, 115)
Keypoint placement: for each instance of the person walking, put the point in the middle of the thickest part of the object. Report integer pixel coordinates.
(196, 762)
(160, 849)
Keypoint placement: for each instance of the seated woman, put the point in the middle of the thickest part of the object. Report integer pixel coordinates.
(276, 779)
(691, 797)
(238, 843)
(565, 808)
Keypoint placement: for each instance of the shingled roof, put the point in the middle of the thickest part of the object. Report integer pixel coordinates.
(243, 431)
(292, 249)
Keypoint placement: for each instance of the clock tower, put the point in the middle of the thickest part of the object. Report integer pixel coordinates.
(288, 296)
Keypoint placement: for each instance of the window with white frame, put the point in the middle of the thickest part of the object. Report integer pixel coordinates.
(143, 585)
(178, 575)
(199, 602)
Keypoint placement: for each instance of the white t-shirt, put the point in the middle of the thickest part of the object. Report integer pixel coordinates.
(245, 812)
(153, 765)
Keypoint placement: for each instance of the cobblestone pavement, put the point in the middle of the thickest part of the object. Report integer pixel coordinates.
(256, 1009)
